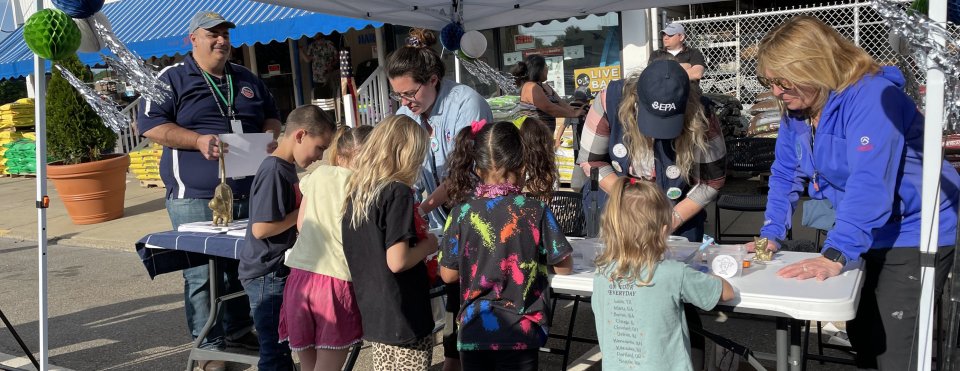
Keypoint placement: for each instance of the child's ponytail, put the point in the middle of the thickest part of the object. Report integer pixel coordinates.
(538, 157)
(462, 178)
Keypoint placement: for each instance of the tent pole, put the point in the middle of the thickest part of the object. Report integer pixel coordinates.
(40, 122)
(930, 196)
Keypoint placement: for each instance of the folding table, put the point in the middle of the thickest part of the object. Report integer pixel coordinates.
(760, 291)
(173, 251)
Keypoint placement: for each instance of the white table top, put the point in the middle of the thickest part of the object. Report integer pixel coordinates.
(760, 290)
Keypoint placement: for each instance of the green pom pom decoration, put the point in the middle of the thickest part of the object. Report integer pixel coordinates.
(51, 34)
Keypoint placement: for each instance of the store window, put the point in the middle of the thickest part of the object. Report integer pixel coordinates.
(583, 51)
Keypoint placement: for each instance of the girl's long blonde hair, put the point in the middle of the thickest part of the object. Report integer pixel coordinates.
(632, 230)
(394, 151)
(809, 53)
(692, 140)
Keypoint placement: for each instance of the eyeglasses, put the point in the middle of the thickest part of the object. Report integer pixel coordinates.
(399, 97)
(782, 83)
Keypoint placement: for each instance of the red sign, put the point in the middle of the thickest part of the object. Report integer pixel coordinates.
(273, 69)
(521, 42)
(546, 52)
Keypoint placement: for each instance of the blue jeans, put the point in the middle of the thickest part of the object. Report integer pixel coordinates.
(234, 320)
(266, 295)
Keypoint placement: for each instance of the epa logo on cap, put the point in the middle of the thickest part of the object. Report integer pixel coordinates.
(664, 107)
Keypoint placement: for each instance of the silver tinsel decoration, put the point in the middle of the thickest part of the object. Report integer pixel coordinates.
(487, 75)
(104, 107)
(920, 33)
(130, 66)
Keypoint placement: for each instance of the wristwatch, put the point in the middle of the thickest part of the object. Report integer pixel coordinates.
(835, 255)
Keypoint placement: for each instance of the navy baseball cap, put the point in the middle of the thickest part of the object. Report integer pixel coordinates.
(662, 92)
(206, 19)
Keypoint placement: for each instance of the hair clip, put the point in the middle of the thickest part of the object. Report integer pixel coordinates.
(476, 126)
(414, 42)
(518, 122)
(633, 181)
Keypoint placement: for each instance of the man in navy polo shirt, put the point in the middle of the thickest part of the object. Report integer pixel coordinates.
(210, 96)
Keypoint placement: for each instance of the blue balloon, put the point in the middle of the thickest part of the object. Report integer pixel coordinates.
(79, 9)
(450, 36)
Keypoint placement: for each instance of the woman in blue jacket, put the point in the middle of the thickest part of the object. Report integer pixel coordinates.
(849, 130)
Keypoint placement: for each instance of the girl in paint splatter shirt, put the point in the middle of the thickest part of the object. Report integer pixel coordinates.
(502, 241)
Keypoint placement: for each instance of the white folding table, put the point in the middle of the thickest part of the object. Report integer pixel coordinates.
(759, 291)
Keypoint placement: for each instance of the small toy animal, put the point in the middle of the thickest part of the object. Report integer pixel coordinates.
(762, 254)
(222, 202)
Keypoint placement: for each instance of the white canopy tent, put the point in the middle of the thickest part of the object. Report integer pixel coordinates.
(484, 14)
(477, 14)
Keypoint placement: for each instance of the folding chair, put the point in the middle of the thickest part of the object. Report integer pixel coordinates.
(567, 207)
(754, 156)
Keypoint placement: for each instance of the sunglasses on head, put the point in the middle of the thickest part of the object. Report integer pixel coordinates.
(782, 83)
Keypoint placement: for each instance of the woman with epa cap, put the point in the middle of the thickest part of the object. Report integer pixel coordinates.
(655, 128)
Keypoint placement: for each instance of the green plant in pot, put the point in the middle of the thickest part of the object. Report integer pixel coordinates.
(75, 133)
(90, 181)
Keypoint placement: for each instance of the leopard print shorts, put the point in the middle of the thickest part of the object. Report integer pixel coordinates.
(415, 356)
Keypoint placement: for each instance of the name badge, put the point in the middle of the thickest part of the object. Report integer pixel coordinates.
(236, 126)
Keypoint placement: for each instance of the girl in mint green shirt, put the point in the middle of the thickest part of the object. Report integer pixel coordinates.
(638, 295)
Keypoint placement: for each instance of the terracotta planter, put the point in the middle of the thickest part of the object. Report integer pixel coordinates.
(93, 191)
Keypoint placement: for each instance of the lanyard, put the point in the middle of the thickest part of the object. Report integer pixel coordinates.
(218, 93)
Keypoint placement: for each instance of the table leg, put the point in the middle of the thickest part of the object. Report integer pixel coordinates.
(214, 294)
(795, 349)
(782, 343)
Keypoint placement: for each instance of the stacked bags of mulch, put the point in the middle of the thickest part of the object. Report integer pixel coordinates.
(951, 149)
(766, 117)
(145, 163)
(19, 157)
(18, 114)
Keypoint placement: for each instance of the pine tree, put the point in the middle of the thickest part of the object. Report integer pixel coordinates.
(75, 133)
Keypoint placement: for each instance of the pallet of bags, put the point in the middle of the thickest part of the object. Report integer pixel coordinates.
(20, 157)
(17, 114)
(951, 149)
(145, 164)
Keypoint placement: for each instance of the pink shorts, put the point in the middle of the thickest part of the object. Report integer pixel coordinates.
(319, 312)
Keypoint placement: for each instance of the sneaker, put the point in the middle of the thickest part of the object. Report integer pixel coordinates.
(248, 341)
(213, 366)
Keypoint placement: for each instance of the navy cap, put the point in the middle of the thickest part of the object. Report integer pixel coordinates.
(662, 92)
(206, 19)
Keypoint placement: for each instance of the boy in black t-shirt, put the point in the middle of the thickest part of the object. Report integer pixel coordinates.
(274, 205)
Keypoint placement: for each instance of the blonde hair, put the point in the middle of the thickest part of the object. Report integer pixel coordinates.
(632, 228)
(692, 139)
(809, 53)
(394, 152)
(347, 143)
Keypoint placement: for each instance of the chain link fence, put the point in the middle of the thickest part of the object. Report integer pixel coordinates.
(729, 44)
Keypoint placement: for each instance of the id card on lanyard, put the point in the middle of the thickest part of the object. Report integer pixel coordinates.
(236, 126)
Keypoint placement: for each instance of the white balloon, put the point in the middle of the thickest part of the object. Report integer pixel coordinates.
(473, 44)
(90, 41)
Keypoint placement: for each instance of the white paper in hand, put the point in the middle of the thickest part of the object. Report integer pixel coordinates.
(245, 152)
